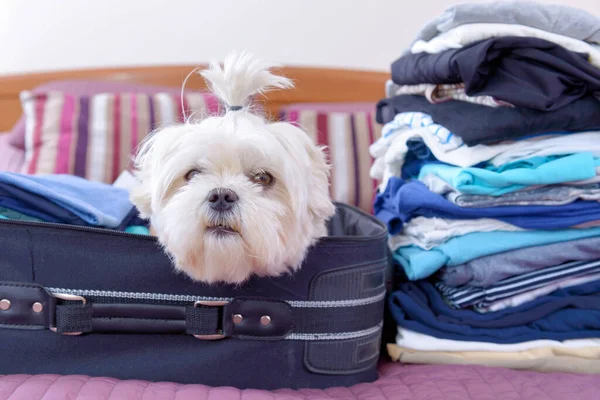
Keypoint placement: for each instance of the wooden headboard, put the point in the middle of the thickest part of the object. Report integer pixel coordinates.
(312, 85)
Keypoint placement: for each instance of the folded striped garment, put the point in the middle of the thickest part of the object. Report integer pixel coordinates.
(480, 298)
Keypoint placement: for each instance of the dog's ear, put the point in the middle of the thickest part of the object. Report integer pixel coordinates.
(320, 201)
(142, 198)
(143, 162)
(312, 163)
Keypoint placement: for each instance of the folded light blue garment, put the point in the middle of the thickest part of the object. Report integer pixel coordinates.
(496, 181)
(561, 19)
(138, 230)
(419, 263)
(97, 204)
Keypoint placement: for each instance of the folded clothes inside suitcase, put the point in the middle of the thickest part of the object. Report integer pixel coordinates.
(81, 300)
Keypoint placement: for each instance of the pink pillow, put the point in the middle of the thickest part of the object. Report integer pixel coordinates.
(94, 136)
(77, 87)
(11, 158)
(347, 129)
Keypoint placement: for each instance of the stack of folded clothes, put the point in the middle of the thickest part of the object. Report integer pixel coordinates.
(70, 200)
(489, 163)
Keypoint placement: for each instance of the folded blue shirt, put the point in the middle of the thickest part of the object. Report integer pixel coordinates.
(493, 181)
(401, 201)
(419, 263)
(419, 307)
(66, 199)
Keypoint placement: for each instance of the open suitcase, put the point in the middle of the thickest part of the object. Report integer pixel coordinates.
(76, 300)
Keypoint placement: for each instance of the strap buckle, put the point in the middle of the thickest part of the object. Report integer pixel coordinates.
(68, 297)
(211, 303)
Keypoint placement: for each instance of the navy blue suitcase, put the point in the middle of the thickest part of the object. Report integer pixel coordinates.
(76, 300)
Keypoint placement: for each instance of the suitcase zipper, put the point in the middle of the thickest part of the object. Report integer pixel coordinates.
(331, 239)
(75, 228)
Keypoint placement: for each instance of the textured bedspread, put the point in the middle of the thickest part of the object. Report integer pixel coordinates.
(397, 382)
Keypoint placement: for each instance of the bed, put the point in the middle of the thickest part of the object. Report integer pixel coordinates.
(313, 85)
(333, 99)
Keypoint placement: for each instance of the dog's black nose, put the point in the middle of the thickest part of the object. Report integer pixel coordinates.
(222, 199)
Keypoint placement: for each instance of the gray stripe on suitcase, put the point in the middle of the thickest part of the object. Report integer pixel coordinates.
(189, 298)
(335, 336)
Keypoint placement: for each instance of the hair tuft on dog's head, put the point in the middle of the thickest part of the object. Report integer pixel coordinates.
(242, 76)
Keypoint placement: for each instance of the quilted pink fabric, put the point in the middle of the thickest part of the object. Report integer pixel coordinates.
(397, 382)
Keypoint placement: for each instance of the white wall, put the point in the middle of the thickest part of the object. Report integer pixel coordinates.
(39, 35)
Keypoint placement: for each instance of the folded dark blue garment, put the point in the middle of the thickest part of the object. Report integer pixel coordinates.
(417, 156)
(36, 206)
(571, 313)
(133, 219)
(67, 199)
(31, 204)
(524, 71)
(98, 204)
(477, 124)
(401, 201)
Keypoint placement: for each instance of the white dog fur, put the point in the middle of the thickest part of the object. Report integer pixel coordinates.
(273, 223)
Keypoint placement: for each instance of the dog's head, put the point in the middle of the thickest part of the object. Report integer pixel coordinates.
(233, 195)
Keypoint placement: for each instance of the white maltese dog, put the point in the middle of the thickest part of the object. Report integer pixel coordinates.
(234, 195)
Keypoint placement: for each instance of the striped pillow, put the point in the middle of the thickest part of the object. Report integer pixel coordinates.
(94, 136)
(347, 135)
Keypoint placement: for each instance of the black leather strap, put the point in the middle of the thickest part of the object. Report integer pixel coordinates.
(278, 318)
(242, 317)
(25, 306)
(74, 317)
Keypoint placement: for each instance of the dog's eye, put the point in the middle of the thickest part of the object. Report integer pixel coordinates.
(191, 173)
(263, 178)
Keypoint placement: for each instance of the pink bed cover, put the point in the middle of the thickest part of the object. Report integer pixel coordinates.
(397, 382)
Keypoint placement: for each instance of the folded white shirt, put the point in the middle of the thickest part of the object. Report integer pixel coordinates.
(419, 341)
(470, 33)
(395, 150)
(428, 233)
(550, 146)
(390, 152)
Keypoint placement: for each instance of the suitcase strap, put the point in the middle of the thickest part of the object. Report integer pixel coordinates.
(31, 306)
